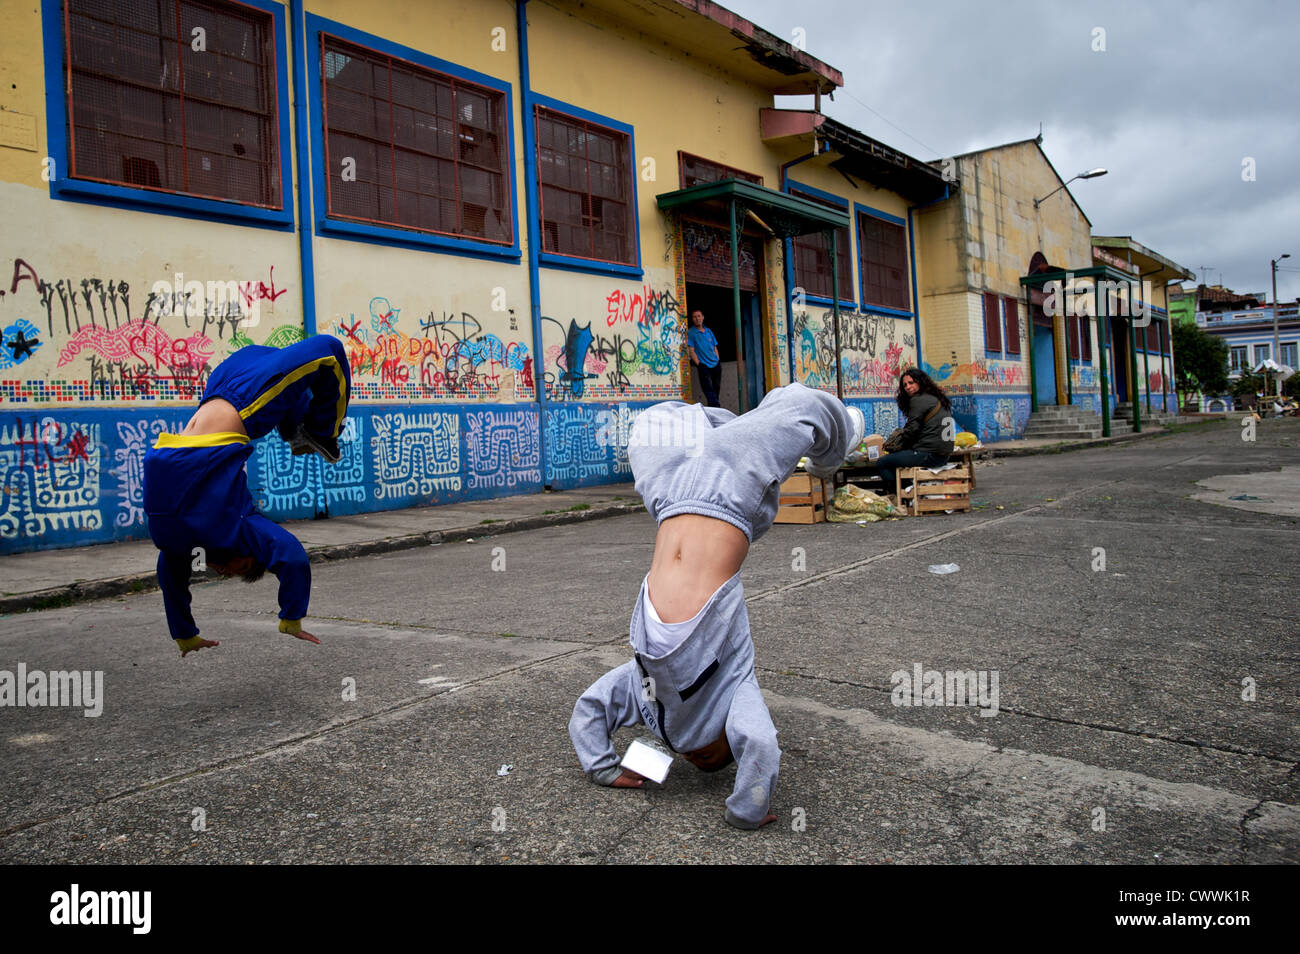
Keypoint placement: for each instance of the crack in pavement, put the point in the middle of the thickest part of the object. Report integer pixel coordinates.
(245, 758)
(618, 839)
(1099, 726)
(926, 541)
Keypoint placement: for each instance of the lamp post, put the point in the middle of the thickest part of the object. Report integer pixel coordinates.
(1277, 353)
(1090, 174)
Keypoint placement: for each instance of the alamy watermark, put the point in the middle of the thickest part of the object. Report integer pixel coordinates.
(1079, 297)
(76, 688)
(952, 687)
(652, 428)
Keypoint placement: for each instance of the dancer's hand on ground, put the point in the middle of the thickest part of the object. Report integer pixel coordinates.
(303, 634)
(194, 644)
(628, 779)
(767, 820)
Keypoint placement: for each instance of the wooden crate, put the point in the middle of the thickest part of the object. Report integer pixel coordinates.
(934, 493)
(803, 500)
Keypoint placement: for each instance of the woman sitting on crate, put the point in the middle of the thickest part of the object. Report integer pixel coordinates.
(926, 439)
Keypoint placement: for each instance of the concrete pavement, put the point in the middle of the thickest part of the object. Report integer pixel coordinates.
(1146, 712)
(49, 578)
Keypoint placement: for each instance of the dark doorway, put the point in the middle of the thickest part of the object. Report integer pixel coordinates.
(1119, 359)
(720, 318)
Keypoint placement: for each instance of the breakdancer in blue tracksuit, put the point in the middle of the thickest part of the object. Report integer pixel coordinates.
(196, 491)
(711, 481)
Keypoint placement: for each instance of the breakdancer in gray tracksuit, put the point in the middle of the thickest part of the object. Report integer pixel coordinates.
(711, 481)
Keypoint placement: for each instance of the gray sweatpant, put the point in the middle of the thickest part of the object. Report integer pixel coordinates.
(691, 459)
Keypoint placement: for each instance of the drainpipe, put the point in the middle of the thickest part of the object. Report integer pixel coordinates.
(302, 145)
(835, 306)
(534, 233)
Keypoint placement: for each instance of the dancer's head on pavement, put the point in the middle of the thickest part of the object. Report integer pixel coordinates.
(913, 382)
(243, 566)
(713, 757)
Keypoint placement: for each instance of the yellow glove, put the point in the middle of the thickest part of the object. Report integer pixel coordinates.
(188, 645)
(291, 626)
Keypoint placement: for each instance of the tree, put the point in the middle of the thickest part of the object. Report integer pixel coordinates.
(1200, 362)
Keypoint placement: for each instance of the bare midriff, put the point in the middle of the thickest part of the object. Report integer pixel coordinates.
(694, 555)
(216, 416)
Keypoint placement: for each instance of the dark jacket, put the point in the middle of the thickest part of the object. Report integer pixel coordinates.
(928, 436)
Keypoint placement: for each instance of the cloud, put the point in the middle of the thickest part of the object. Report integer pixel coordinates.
(1181, 94)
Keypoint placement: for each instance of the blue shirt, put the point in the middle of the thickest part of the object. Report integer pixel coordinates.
(705, 345)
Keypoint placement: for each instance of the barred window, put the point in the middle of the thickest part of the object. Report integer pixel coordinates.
(177, 96)
(587, 192)
(812, 257)
(992, 323)
(882, 255)
(1011, 313)
(697, 169)
(410, 147)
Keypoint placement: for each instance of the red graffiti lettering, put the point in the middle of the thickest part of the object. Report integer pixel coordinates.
(260, 292)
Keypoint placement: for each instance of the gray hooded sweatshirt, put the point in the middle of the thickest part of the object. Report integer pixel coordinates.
(688, 698)
(693, 459)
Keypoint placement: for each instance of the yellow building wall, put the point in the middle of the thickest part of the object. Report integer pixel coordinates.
(981, 240)
(875, 348)
(673, 102)
(421, 325)
(106, 296)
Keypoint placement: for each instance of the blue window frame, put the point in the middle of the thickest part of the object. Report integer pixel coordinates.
(992, 324)
(433, 172)
(883, 262)
(810, 254)
(128, 98)
(585, 200)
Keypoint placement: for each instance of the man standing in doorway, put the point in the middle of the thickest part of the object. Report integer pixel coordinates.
(704, 355)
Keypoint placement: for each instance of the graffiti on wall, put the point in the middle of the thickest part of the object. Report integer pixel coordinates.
(502, 448)
(874, 350)
(450, 355)
(573, 452)
(1084, 376)
(416, 454)
(345, 482)
(49, 476)
(1003, 419)
(94, 338)
(1000, 374)
(633, 350)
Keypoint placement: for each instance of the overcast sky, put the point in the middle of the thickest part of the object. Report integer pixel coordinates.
(1182, 94)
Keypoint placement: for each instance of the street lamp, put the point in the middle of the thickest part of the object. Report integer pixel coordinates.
(1277, 353)
(1090, 174)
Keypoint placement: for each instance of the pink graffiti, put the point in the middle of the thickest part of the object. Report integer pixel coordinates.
(142, 342)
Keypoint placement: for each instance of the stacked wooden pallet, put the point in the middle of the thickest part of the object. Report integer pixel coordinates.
(933, 493)
(803, 500)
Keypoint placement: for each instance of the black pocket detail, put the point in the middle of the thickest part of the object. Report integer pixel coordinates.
(698, 684)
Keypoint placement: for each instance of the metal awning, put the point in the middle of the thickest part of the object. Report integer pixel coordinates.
(1096, 274)
(784, 215)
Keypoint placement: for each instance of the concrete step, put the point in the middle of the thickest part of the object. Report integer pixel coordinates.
(1061, 433)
